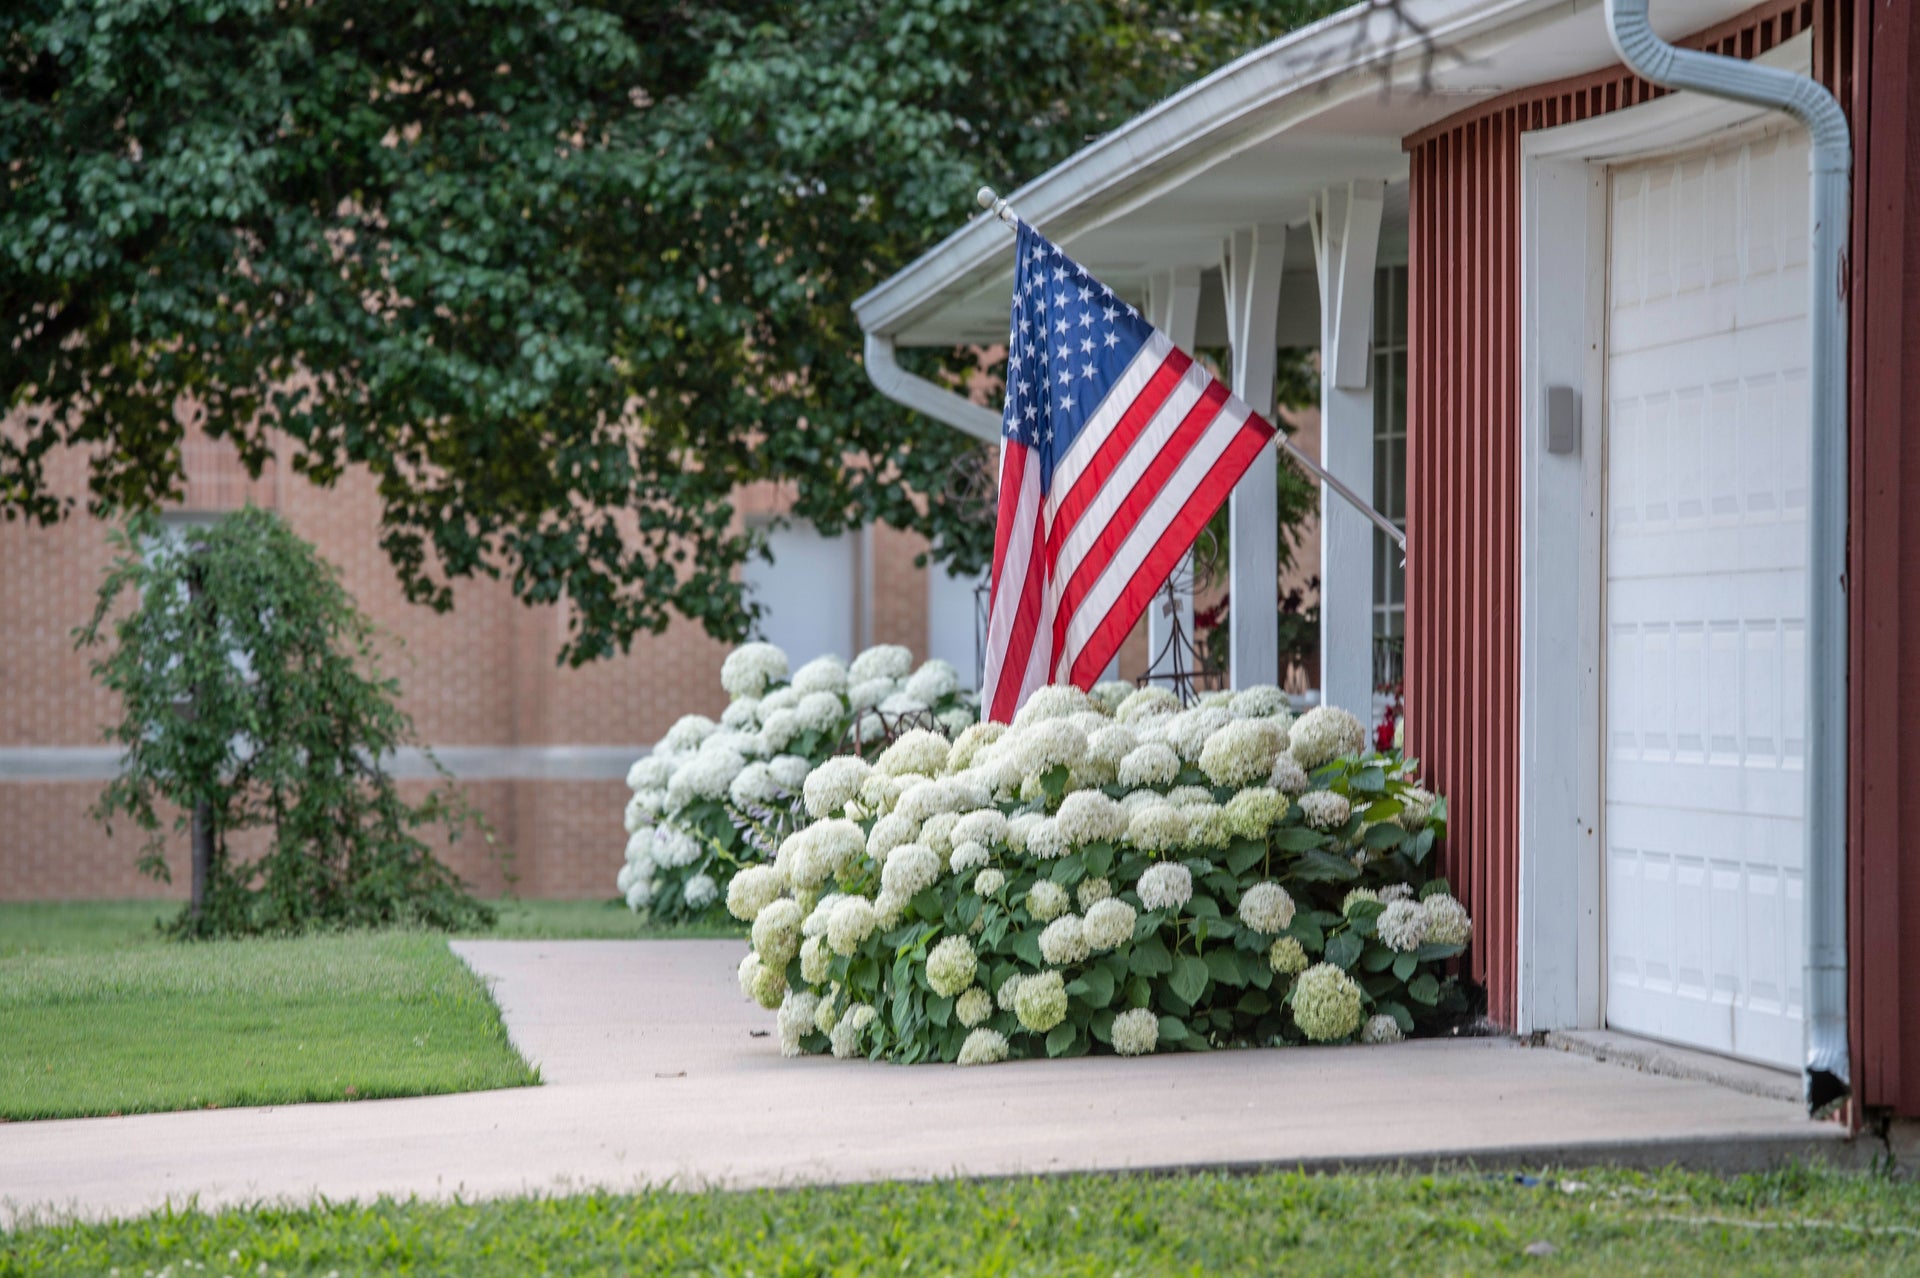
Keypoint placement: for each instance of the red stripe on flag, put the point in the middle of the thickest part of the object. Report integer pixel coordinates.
(1114, 448)
(1019, 651)
(1138, 501)
(1013, 459)
(1168, 550)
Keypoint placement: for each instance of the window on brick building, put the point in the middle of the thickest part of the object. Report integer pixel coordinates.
(809, 592)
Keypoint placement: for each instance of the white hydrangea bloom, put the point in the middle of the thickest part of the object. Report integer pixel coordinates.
(882, 661)
(816, 923)
(779, 699)
(1325, 810)
(921, 752)
(1088, 816)
(1216, 700)
(973, 1007)
(1091, 890)
(988, 882)
(1402, 926)
(789, 771)
(1041, 1001)
(1288, 777)
(1134, 800)
(1009, 990)
(1046, 900)
(752, 890)
(1047, 745)
(984, 1047)
(1416, 805)
(1287, 957)
(1261, 701)
(1325, 733)
(1326, 1003)
(957, 719)
(847, 1030)
(1136, 1032)
(748, 744)
(910, 869)
(986, 827)
(889, 832)
(640, 843)
(822, 674)
(1055, 701)
(1157, 827)
(1047, 840)
(637, 814)
(624, 879)
(1108, 746)
(1108, 925)
(934, 681)
(700, 891)
(1206, 825)
(751, 668)
(827, 1017)
(820, 711)
(1266, 907)
(878, 792)
(687, 733)
(850, 924)
(1017, 828)
(769, 985)
(1355, 896)
(869, 693)
(705, 776)
(816, 959)
(1063, 942)
(967, 857)
(902, 703)
(951, 966)
(741, 715)
(887, 909)
(937, 833)
(1396, 892)
(795, 1020)
(1147, 703)
(1188, 731)
(1182, 796)
(1381, 1029)
(639, 894)
(780, 729)
(922, 798)
(838, 843)
(776, 932)
(1165, 886)
(1242, 752)
(754, 785)
(1447, 921)
(748, 973)
(649, 772)
(967, 746)
(1108, 695)
(1251, 813)
(832, 785)
(674, 848)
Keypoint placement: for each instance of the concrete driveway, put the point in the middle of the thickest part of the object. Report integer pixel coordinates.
(658, 1072)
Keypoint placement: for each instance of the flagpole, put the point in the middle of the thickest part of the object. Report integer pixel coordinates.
(993, 204)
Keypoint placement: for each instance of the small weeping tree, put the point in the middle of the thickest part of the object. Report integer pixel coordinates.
(253, 701)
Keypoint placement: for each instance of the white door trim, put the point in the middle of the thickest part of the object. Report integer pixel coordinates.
(1563, 273)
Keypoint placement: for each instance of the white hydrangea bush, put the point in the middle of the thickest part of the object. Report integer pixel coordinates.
(714, 797)
(1109, 873)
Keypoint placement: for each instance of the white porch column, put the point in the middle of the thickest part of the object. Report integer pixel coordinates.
(1346, 241)
(1173, 307)
(1254, 258)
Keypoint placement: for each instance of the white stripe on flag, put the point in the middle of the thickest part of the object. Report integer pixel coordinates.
(1120, 396)
(1180, 486)
(1021, 548)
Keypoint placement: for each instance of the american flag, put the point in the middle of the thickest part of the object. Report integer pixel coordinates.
(1116, 448)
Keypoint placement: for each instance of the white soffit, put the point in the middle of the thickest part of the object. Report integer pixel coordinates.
(1252, 143)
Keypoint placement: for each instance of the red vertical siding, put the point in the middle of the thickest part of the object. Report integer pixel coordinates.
(1881, 40)
(1463, 497)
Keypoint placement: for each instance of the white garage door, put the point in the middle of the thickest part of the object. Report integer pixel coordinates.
(1707, 430)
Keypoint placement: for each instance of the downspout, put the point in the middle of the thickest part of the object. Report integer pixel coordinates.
(923, 396)
(1827, 1078)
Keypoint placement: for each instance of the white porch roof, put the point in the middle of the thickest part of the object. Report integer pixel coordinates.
(1251, 144)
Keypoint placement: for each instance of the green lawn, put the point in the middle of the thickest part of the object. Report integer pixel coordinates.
(1791, 1222)
(100, 1015)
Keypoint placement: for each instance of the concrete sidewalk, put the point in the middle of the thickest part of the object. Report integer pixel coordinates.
(658, 1072)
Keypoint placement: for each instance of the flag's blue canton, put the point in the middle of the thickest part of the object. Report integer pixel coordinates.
(1071, 339)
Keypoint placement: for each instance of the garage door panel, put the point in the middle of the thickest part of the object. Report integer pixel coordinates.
(1707, 428)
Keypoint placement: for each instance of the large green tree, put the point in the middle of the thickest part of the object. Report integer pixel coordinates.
(561, 276)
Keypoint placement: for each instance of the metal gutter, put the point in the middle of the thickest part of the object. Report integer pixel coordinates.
(913, 391)
(1827, 1076)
